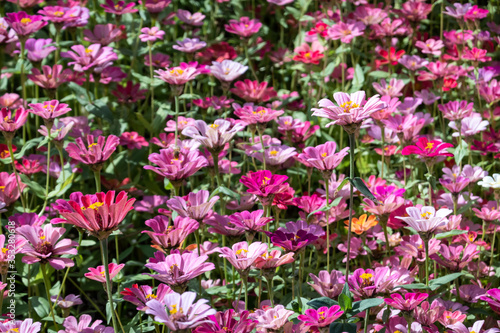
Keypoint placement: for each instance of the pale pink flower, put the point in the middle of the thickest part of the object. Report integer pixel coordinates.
(99, 274)
(151, 34)
(430, 46)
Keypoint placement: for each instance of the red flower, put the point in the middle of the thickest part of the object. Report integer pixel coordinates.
(390, 57)
(449, 84)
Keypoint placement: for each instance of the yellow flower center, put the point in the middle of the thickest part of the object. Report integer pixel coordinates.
(240, 251)
(2, 188)
(273, 152)
(176, 71)
(15, 329)
(389, 87)
(307, 55)
(366, 276)
(94, 206)
(430, 145)
(347, 106)
(214, 125)
(150, 296)
(174, 310)
(426, 215)
(323, 155)
(265, 180)
(88, 51)
(58, 13)
(92, 145)
(25, 20)
(4, 250)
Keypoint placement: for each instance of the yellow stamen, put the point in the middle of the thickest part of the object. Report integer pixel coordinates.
(94, 206)
(430, 145)
(92, 145)
(240, 251)
(25, 20)
(214, 125)
(273, 152)
(366, 276)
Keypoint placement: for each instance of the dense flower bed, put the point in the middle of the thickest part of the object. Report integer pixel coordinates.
(238, 166)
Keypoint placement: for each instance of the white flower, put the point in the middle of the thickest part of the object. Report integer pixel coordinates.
(425, 219)
(227, 70)
(493, 182)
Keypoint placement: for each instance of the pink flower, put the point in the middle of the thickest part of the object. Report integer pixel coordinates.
(67, 301)
(321, 317)
(176, 166)
(50, 109)
(273, 259)
(309, 54)
(71, 324)
(132, 140)
(456, 110)
(195, 19)
(85, 58)
(488, 212)
(328, 284)
(413, 62)
(428, 149)
(130, 93)
(346, 32)
(264, 184)
(39, 49)
(178, 75)
(253, 91)
(21, 219)
(215, 136)
(477, 55)
(425, 219)
(492, 297)
(323, 157)
(140, 295)
(177, 270)
(431, 46)
(275, 155)
(242, 255)
(350, 110)
(381, 280)
(197, 206)
(151, 34)
(9, 190)
(60, 15)
(51, 78)
(189, 45)
(455, 257)
(103, 34)
(21, 326)
(9, 122)
(413, 247)
(156, 6)
(250, 221)
(410, 301)
(271, 319)
(45, 246)
(168, 236)
(475, 13)
(93, 153)
(119, 8)
(24, 24)
(179, 312)
(393, 89)
(427, 314)
(227, 70)
(253, 115)
(98, 273)
(459, 11)
(99, 214)
(245, 27)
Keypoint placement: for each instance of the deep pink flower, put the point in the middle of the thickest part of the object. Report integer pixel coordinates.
(120, 8)
(50, 109)
(323, 157)
(413, 247)
(44, 245)
(427, 314)
(197, 206)
(492, 297)
(59, 15)
(130, 93)
(309, 54)
(244, 27)
(475, 13)
(132, 140)
(264, 185)
(179, 75)
(103, 34)
(99, 214)
(98, 273)
(477, 55)
(93, 153)
(227, 322)
(253, 91)
(9, 122)
(24, 24)
(151, 34)
(168, 236)
(9, 190)
(177, 270)
(50, 77)
(252, 114)
(455, 257)
(456, 110)
(250, 221)
(346, 32)
(428, 149)
(328, 284)
(140, 295)
(410, 301)
(273, 259)
(321, 317)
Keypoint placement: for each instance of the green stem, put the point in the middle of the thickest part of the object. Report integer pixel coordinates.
(246, 291)
(250, 65)
(351, 176)
(367, 315)
(383, 152)
(426, 244)
(493, 246)
(151, 87)
(301, 272)
(87, 297)
(97, 177)
(46, 282)
(270, 290)
(104, 251)
(18, 179)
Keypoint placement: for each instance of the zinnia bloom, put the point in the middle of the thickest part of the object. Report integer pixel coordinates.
(362, 224)
(93, 153)
(264, 185)
(321, 317)
(410, 301)
(98, 274)
(245, 27)
(242, 255)
(213, 136)
(426, 219)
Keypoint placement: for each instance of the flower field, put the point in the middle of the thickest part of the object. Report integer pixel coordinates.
(234, 166)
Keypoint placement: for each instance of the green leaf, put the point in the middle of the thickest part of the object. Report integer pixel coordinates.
(322, 301)
(80, 93)
(461, 151)
(189, 96)
(18, 155)
(144, 122)
(325, 208)
(413, 286)
(360, 185)
(358, 79)
(100, 109)
(365, 304)
(228, 192)
(345, 298)
(41, 306)
(436, 283)
(34, 186)
(343, 327)
(450, 234)
(379, 74)
(341, 186)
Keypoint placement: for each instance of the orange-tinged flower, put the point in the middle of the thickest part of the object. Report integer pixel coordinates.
(362, 224)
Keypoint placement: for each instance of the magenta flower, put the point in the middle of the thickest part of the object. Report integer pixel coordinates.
(189, 45)
(195, 19)
(250, 221)
(455, 257)
(132, 140)
(178, 75)
(428, 149)
(413, 247)
(321, 317)
(346, 32)
(9, 123)
(120, 8)
(492, 297)
(98, 273)
(214, 136)
(60, 15)
(456, 110)
(410, 301)
(24, 24)
(427, 314)
(226, 321)
(151, 34)
(93, 153)
(242, 255)
(21, 219)
(245, 27)
(253, 115)
(253, 91)
(71, 324)
(328, 284)
(51, 77)
(350, 110)
(39, 49)
(264, 185)
(140, 295)
(177, 270)
(45, 246)
(49, 110)
(323, 157)
(295, 235)
(85, 58)
(9, 190)
(167, 236)
(197, 206)
(179, 312)
(130, 93)
(103, 34)
(99, 214)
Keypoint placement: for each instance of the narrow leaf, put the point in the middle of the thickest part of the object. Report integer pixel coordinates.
(360, 185)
